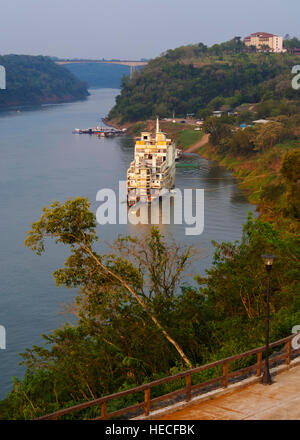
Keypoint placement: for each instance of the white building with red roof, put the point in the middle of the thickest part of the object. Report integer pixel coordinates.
(261, 40)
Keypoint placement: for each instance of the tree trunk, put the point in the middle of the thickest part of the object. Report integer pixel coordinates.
(144, 306)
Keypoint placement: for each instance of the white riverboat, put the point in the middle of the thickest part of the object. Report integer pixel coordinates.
(153, 167)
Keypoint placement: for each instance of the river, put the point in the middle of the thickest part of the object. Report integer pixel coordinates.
(41, 161)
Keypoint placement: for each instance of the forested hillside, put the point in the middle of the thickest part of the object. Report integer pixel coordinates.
(32, 80)
(197, 79)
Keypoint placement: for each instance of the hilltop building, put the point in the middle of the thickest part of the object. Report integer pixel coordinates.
(263, 39)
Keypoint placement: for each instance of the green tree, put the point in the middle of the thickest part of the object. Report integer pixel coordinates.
(242, 142)
(217, 129)
(270, 134)
(290, 170)
(74, 225)
(235, 284)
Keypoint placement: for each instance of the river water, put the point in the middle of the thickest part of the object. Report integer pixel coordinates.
(41, 161)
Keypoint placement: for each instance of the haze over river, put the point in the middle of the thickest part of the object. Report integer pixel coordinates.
(41, 161)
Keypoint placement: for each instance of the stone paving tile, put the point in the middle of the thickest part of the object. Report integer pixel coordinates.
(279, 401)
(246, 403)
(202, 413)
(281, 412)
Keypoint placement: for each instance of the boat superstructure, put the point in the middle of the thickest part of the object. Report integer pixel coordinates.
(153, 167)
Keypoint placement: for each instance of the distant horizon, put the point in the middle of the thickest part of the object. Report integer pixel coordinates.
(133, 58)
(135, 29)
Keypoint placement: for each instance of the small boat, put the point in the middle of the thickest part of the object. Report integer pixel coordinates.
(178, 154)
(99, 130)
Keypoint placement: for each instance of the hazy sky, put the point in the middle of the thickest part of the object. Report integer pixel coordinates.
(134, 29)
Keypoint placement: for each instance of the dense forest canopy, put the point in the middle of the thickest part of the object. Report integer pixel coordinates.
(197, 79)
(32, 80)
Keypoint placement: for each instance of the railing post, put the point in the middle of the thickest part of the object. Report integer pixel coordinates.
(103, 410)
(147, 401)
(225, 375)
(188, 387)
(288, 352)
(259, 358)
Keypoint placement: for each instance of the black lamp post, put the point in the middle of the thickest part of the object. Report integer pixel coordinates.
(268, 260)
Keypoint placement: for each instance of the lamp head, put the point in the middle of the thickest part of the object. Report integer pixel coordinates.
(268, 260)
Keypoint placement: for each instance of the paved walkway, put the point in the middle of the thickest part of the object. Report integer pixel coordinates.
(279, 401)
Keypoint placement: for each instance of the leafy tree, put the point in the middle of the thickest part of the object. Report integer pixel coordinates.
(216, 128)
(246, 117)
(291, 43)
(242, 142)
(269, 134)
(202, 48)
(235, 284)
(74, 225)
(291, 172)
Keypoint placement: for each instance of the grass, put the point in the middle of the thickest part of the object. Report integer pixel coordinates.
(188, 138)
(183, 134)
(138, 127)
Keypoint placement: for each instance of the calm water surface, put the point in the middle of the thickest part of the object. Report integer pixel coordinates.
(41, 160)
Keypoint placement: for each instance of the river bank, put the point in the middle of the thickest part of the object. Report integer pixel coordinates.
(202, 146)
(259, 174)
(186, 135)
(43, 102)
(259, 177)
(37, 80)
